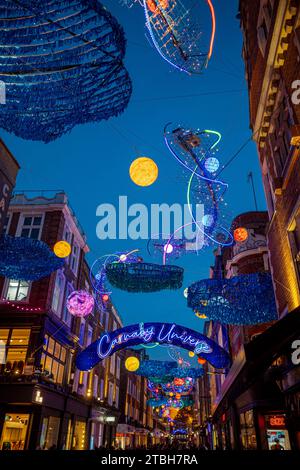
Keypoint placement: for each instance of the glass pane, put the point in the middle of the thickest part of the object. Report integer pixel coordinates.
(20, 337)
(54, 370)
(27, 221)
(63, 355)
(48, 364)
(37, 221)
(4, 335)
(16, 355)
(57, 350)
(35, 233)
(52, 432)
(51, 346)
(25, 232)
(60, 374)
(14, 431)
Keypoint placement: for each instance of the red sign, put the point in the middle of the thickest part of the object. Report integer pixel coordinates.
(276, 421)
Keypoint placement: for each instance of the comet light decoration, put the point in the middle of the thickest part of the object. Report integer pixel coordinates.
(62, 65)
(182, 31)
(246, 299)
(196, 151)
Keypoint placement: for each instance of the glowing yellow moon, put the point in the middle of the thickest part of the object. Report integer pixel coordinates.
(62, 249)
(143, 171)
(132, 363)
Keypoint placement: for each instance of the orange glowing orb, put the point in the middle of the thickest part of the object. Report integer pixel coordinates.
(155, 5)
(240, 234)
(143, 171)
(201, 360)
(62, 249)
(201, 315)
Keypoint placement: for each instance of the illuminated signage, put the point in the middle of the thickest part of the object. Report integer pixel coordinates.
(146, 333)
(275, 421)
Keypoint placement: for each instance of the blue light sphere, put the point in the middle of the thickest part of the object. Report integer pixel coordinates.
(212, 164)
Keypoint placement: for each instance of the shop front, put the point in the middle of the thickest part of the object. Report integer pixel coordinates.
(15, 431)
(125, 436)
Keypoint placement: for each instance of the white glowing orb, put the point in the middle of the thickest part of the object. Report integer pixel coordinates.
(212, 164)
(207, 220)
(168, 248)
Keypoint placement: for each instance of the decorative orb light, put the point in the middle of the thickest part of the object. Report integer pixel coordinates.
(132, 364)
(168, 248)
(62, 249)
(143, 171)
(178, 381)
(177, 396)
(240, 234)
(123, 258)
(105, 297)
(80, 303)
(185, 292)
(191, 354)
(180, 361)
(155, 5)
(201, 360)
(207, 220)
(212, 164)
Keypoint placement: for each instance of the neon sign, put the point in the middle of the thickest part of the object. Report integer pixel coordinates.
(147, 333)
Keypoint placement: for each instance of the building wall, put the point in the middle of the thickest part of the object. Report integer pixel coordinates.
(272, 66)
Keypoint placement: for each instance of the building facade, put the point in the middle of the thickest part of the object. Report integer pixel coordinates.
(244, 407)
(45, 401)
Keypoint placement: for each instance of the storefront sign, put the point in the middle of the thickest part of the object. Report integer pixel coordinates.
(146, 333)
(8, 172)
(275, 421)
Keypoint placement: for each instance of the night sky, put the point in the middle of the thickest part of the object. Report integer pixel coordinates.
(91, 163)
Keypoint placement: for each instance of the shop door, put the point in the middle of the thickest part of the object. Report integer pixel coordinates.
(14, 433)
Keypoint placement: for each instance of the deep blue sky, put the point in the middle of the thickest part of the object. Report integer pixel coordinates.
(91, 163)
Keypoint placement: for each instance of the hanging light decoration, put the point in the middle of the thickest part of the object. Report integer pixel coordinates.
(25, 259)
(62, 249)
(62, 65)
(240, 234)
(132, 364)
(143, 171)
(247, 299)
(80, 303)
(144, 277)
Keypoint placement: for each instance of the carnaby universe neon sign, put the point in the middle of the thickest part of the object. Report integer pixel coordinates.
(146, 333)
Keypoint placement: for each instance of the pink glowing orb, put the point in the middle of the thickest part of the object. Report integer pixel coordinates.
(80, 303)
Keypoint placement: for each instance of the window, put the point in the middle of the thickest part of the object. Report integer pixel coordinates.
(54, 359)
(50, 430)
(118, 367)
(14, 433)
(112, 364)
(74, 258)
(89, 335)
(15, 345)
(110, 397)
(82, 332)
(281, 136)
(248, 433)
(66, 316)
(31, 226)
(58, 293)
(294, 239)
(17, 290)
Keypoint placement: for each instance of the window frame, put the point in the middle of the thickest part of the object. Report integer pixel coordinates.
(22, 218)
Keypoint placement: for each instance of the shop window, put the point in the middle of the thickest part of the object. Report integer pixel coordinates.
(49, 434)
(248, 434)
(31, 227)
(277, 434)
(17, 290)
(16, 344)
(14, 432)
(53, 359)
(79, 436)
